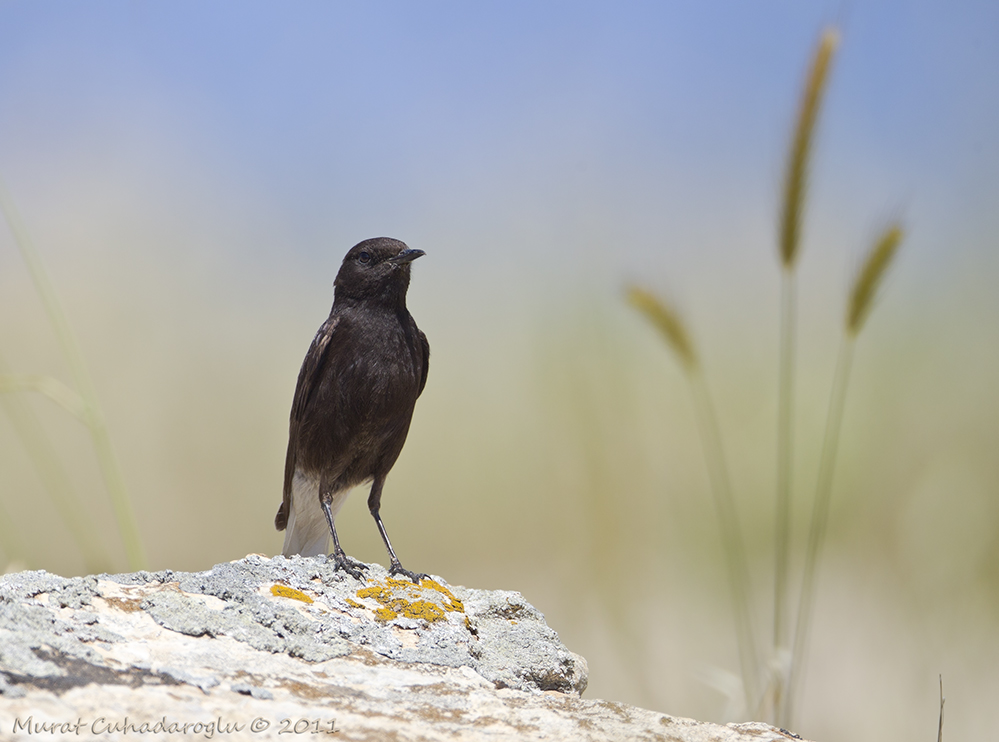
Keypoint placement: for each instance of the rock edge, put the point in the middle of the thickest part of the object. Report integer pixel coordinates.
(279, 642)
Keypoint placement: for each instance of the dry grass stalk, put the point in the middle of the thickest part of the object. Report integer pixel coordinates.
(817, 529)
(865, 286)
(940, 723)
(795, 191)
(862, 294)
(667, 320)
(796, 182)
(782, 511)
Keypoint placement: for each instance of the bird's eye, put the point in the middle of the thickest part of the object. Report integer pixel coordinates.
(364, 257)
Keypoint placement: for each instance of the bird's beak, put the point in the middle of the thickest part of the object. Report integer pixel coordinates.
(406, 256)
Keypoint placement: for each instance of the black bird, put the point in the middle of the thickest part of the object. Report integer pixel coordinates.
(354, 401)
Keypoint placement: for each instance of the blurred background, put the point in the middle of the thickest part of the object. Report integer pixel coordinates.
(192, 174)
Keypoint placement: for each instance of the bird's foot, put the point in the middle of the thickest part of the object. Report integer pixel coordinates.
(351, 566)
(396, 568)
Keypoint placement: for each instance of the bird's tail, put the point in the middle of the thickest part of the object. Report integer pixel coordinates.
(308, 536)
(307, 532)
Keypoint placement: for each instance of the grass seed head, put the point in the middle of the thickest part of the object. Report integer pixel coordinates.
(796, 178)
(869, 277)
(667, 320)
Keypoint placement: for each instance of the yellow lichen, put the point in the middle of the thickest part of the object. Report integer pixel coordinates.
(423, 609)
(412, 602)
(283, 591)
(454, 604)
(371, 592)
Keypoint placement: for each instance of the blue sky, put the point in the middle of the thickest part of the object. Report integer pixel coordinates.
(343, 118)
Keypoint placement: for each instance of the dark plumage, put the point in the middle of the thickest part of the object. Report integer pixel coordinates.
(354, 401)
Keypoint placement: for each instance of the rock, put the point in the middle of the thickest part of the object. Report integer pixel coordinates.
(259, 647)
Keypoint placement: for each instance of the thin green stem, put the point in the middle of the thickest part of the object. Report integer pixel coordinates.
(792, 217)
(782, 528)
(820, 520)
(49, 387)
(10, 542)
(735, 552)
(93, 417)
(46, 461)
(671, 327)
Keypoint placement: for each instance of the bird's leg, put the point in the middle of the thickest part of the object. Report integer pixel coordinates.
(374, 505)
(340, 559)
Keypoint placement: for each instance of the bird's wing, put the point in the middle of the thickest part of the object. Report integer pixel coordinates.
(309, 377)
(425, 347)
(312, 369)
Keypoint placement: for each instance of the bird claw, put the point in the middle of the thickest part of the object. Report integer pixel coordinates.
(397, 569)
(350, 566)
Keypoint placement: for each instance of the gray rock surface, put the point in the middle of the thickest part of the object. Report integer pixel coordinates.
(274, 648)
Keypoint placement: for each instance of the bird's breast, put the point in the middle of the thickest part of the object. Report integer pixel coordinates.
(373, 375)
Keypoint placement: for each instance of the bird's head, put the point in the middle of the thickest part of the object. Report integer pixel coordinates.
(377, 270)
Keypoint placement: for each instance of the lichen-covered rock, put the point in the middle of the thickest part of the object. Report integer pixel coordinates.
(266, 648)
(297, 606)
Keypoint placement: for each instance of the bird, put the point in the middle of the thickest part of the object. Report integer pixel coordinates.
(353, 402)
